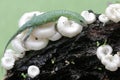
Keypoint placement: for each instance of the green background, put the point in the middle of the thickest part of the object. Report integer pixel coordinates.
(12, 10)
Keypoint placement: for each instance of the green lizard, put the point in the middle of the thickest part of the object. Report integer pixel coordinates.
(50, 16)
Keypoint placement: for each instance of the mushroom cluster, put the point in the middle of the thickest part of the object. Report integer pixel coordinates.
(38, 40)
(43, 33)
(104, 52)
(111, 62)
(113, 12)
(9, 58)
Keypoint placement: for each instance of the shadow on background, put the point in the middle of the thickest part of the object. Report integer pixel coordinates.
(12, 10)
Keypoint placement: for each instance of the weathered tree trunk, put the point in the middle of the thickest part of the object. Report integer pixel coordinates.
(72, 58)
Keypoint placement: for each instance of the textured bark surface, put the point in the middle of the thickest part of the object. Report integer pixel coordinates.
(72, 58)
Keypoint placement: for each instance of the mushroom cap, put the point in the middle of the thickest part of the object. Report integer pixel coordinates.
(111, 67)
(33, 44)
(111, 62)
(113, 12)
(33, 71)
(68, 28)
(88, 16)
(18, 45)
(7, 62)
(103, 18)
(9, 53)
(103, 51)
(45, 30)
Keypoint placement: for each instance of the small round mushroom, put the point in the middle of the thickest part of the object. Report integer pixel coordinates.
(55, 37)
(34, 43)
(88, 16)
(27, 16)
(111, 62)
(68, 28)
(113, 12)
(103, 50)
(45, 30)
(7, 62)
(33, 71)
(103, 18)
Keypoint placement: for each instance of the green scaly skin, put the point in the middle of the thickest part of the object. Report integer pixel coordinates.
(50, 16)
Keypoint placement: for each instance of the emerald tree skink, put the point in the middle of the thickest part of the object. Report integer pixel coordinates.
(49, 16)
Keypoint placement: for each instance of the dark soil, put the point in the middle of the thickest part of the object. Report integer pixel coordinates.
(72, 58)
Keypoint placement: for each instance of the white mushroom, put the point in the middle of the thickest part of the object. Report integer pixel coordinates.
(8, 62)
(111, 62)
(68, 28)
(103, 18)
(118, 53)
(12, 53)
(88, 16)
(113, 12)
(103, 50)
(9, 53)
(33, 43)
(33, 71)
(45, 30)
(111, 67)
(55, 37)
(27, 16)
(19, 55)
(18, 45)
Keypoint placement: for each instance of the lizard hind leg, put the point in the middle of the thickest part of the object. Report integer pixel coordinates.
(27, 36)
